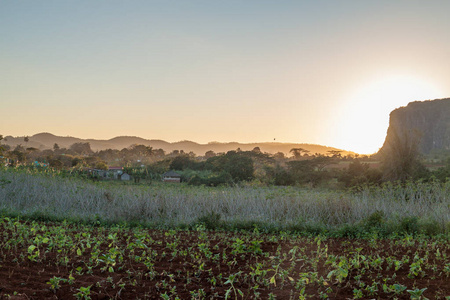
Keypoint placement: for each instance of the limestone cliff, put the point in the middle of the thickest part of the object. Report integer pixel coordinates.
(428, 121)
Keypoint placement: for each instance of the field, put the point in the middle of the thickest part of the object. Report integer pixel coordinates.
(67, 238)
(390, 208)
(67, 261)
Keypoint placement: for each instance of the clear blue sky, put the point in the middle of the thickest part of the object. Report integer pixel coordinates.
(325, 72)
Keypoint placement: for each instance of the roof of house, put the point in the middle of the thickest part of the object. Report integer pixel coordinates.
(171, 173)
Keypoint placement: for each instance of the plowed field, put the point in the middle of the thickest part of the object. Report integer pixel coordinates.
(68, 261)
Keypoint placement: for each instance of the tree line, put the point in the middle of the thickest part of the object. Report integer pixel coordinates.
(400, 161)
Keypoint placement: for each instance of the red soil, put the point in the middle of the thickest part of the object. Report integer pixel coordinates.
(182, 262)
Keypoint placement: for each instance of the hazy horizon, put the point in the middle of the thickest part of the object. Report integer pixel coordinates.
(325, 73)
(168, 141)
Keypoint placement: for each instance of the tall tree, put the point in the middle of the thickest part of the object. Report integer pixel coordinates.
(401, 156)
(335, 153)
(149, 151)
(209, 154)
(81, 148)
(279, 155)
(297, 152)
(256, 150)
(26, 139)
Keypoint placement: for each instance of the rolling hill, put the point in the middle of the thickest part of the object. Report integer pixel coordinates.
(47, 140)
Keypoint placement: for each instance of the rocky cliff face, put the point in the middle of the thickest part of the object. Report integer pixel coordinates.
(426, 121)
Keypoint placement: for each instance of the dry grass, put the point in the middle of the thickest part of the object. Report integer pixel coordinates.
(27, 194)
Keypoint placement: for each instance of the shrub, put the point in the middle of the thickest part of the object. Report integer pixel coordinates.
(409, 224)
(222, 178)
(210, 221)
(374, 220)
(429, 227)
(236, 164)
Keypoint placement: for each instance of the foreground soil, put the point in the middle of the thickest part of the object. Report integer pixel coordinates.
(68, 261)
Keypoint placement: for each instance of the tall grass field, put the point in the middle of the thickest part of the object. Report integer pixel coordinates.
(414, 207)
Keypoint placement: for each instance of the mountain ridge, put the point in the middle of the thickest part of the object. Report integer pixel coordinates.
(46, 140)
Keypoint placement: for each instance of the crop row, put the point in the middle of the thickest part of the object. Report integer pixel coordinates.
(66, 260)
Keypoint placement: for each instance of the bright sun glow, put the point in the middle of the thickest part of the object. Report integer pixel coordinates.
(364, 119)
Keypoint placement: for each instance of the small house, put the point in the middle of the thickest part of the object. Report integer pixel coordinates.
(171, 176)
(96, 173)
(115, 172)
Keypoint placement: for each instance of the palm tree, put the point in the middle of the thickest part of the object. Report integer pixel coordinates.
(335, 153)
(149, 151)
(297, 152)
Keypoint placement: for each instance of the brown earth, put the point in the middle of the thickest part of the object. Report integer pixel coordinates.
(122, 263)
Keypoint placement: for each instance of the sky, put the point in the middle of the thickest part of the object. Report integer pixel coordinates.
(319, 72)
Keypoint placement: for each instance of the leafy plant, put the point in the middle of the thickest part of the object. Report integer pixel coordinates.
(54, 283)
(83, 293)
(417, 294)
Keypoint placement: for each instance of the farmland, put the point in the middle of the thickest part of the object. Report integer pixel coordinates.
(63, 260)
(68, 238)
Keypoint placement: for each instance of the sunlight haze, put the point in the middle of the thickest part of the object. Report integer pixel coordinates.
(322, 72)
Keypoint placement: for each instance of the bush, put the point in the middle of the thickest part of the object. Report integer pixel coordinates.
(443, 173)
(350, 231)
(210, 221)
(359, 174)
(183, 162)
(222, 178)
(375, 220)
(278, 176)
(409, 224)
(236, 164)
(430, 227)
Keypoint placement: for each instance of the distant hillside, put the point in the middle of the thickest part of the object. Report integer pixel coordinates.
(47, 140)
(430, 120)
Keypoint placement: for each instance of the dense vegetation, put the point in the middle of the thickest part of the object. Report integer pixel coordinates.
(399, 160)
(312, 192)
(242, 224)
(410, 207)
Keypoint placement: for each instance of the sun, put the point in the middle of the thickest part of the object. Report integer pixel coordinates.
(364, 117)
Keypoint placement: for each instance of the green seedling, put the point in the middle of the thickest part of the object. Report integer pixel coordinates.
(84, 293)
(33, 253)
(417, 294)
(54, 283)
(231, 281)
